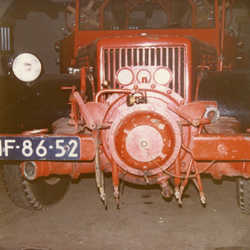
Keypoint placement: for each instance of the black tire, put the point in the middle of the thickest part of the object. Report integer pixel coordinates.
(243, 194)
(38, 194)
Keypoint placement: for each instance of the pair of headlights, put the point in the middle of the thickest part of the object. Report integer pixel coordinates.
(26, 67)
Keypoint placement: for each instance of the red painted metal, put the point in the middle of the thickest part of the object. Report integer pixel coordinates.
(193, 112)
(88, 117)
(210, 35)
(129, 124)
(83, 81)
(228, 168)
(158, 43)
(142, 131)
(223, 25)
(141, 140)
(221, 147)
(193, 13)
(47, 168)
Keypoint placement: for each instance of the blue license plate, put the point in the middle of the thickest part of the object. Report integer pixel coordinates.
(40, 148)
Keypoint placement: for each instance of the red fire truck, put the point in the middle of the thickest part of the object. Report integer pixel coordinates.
(160, 101)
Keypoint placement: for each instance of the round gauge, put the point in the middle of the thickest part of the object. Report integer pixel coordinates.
(163, 76)
(125, 76)
(143, 76)
(27, 67)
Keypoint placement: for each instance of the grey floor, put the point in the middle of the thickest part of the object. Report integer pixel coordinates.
(144, 221)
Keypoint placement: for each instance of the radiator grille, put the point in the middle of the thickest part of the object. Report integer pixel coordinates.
(171, 57)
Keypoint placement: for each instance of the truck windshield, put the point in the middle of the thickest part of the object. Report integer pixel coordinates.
(145, 14)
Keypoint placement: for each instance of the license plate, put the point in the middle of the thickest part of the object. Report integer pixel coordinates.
(39, 148)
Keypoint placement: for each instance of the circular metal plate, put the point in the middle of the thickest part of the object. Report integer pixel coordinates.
(142, 140)
(144, 143)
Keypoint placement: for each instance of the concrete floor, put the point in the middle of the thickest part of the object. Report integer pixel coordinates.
(145, 220)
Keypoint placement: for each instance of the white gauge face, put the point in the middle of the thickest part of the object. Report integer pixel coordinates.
(125, 76)
(143, 76)
(163, 76)
(26, 67)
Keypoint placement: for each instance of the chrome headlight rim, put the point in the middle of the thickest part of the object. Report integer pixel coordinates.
(27, 67)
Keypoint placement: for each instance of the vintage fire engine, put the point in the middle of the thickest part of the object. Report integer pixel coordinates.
(160, 99)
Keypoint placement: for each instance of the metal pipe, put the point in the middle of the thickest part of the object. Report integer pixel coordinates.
(102, 14)
(223, 26)
(115, 173)
(217, 24)
(33, 169)
(84, 111)
(193, 13)
(221, 61)
(83, 80)
(115, 178)
(111, 91)
(200, 187)
(177, 171)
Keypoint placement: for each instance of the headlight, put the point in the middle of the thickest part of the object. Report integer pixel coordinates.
(26, 67)
(163, 76)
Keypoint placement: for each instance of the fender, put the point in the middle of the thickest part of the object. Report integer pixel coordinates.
(37, 105)
(230, 89)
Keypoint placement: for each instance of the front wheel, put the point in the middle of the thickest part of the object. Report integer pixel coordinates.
(39, 194)
(243, 194)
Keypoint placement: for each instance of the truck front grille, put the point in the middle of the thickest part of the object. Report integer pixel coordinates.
(171, 57)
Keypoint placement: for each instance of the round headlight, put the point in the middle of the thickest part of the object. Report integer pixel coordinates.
(27, 67)
(163, 76)
(125, 76)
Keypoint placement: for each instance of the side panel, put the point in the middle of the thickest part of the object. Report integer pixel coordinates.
(67, 54)
(230, 51)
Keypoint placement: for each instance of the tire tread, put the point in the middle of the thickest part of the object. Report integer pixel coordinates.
(243, 194)
(21, 190)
